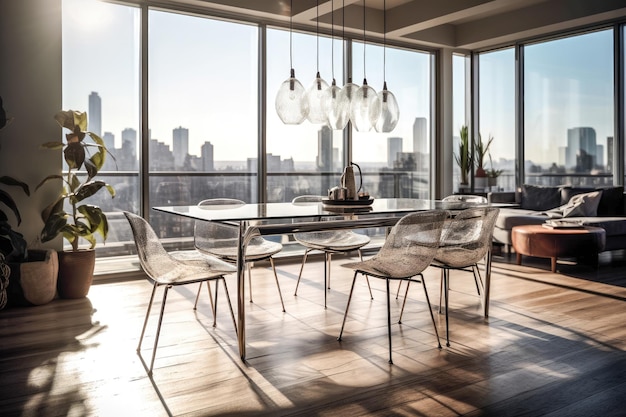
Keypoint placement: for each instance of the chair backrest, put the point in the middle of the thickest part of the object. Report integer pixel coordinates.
(465, 198)
(308, 199)
(212, 235)
(470, 233)
(153, 257)
(412, 243)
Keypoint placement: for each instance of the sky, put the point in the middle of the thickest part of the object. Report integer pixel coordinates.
(199, 73)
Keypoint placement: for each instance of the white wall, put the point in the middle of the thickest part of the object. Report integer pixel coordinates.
(30, 85)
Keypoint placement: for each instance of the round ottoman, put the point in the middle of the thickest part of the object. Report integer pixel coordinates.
(546, 242)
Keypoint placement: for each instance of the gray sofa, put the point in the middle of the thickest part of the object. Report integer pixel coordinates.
(535, 205)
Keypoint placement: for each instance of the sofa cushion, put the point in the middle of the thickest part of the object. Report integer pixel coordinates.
(614, 226)
(585, 205)
(509, 217)
(540, 198)
(611, 203)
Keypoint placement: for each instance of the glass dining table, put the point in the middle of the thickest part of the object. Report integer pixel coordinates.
(265, 219)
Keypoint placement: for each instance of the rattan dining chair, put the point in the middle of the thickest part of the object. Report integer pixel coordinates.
(162, 269)
(221, 241)
(329, 242)
(465, 198)
(408, 250)
(466, 240)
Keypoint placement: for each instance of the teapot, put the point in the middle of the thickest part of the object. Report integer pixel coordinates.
(349, 183)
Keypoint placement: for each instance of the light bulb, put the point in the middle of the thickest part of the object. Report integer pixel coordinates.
(338, 108)
(364, 108)
(290, 103)
(317, 97)
(389, 111)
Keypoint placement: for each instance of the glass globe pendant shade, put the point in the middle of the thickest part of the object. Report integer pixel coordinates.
(338, 108)
(389, 111)
(290, 103)
(317, 97)
(364, 108)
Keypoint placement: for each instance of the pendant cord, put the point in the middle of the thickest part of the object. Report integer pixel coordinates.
(317, 22)
(384, 41)
(291, 34)
(332, 39)
(364, 42)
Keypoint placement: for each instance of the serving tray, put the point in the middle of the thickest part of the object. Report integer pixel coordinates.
(351, 203)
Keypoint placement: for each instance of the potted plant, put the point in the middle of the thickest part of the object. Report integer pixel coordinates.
(83, 221)
(492, 174)
(27, 276)
(463, 158)
(481, 150)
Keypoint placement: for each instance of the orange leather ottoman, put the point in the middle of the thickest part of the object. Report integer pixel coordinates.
(544, 242)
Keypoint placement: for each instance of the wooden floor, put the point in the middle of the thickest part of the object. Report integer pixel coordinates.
(553, 345)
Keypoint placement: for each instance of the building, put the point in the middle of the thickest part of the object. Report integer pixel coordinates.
(180, 140)
(94, 114)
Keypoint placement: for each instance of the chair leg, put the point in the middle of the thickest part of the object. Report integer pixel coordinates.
(432, 316)
(158, 332)
(398, 290)
(366, 277)
(328, 263)
(406, 295)
(441, 289)
(230, 306)
(248, 270)
(306, 252)
(347, 306)
(280, 294)
(326, 275)
(214, 304)
(195, 304)
(446, 285)
(477, 277)
(389, 320)
(145, 322)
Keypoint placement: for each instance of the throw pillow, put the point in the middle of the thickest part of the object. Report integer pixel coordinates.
(567, 192)
(583, 205)
(539, 198)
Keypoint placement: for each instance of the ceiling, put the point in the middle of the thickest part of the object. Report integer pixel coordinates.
(456, 24)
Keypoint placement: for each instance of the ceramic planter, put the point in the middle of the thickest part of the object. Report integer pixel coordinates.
(76, 272)
(35, 280)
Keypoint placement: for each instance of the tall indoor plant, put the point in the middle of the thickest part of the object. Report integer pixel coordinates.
(481, 149)
(84, 160)
(463, 158)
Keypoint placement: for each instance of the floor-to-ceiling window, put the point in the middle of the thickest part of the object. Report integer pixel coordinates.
(497, 116)
(203, 96)
(569, 110)
(397, 163)
(101, 76)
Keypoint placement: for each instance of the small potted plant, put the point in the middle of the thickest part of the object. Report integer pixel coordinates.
(492, 174)
(84, 160)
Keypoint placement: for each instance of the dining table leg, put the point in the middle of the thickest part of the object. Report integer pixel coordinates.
(241, 293)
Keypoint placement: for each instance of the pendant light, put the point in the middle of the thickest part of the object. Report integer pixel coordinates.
(291, 105)
(364, 107)
(339, 100)
(389, 110)
(318, 93)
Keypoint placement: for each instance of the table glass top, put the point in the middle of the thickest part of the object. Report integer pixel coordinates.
(270, 211)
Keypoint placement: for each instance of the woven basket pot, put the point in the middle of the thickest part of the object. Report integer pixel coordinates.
(75, 273)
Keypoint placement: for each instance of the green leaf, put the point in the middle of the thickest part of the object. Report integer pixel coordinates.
(54, 225)
(74, 154)
(90, 188)
(7, 200)
(52, 145)
(12, 181)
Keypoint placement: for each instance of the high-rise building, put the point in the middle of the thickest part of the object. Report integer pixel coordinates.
(609, 154)
(581, 149)
(127, 158)
(94, 114)
(394, 147)
(180, 141)
(324, 160)
(420, 136)
(208, 163)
